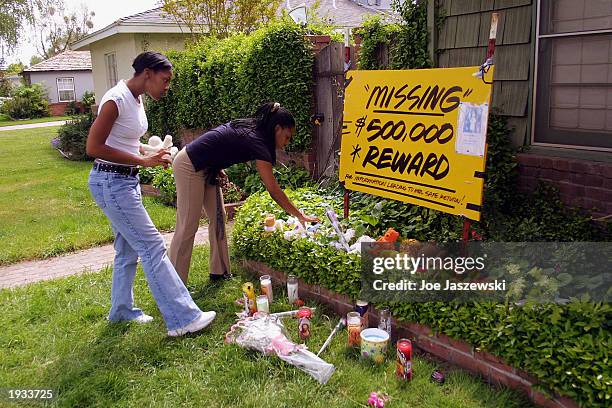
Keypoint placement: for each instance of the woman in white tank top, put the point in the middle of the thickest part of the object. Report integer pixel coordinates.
(114, 141)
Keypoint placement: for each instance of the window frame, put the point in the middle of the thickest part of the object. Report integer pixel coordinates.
(59, 95)
(539, 108)
(111, 70)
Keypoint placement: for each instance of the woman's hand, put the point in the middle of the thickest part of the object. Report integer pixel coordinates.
(305, 218)
(161, 158)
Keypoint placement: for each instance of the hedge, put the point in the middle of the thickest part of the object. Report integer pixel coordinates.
(219, 80)
(566, 348)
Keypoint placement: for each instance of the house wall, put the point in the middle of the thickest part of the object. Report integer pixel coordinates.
(160, 42)
(584, 179)
(83, 81)
(126, 47)
(462, 41)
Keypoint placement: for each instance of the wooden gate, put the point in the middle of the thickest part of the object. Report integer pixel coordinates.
(329, 102)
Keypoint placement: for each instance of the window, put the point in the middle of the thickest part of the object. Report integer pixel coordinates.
(111, 69)
(65, 89)
(573, 95)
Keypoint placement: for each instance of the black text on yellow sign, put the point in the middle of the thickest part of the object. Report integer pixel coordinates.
(417, 136)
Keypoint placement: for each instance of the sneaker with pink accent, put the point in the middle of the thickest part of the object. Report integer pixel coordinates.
(198, 324)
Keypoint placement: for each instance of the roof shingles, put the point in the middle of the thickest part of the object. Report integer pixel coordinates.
(66, 61)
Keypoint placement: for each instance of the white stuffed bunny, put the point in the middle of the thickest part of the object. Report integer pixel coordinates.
(155, 144)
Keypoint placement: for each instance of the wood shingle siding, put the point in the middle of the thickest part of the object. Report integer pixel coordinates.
(463, 39)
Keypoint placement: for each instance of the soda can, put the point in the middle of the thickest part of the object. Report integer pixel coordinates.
(361, 307)
(403, 365)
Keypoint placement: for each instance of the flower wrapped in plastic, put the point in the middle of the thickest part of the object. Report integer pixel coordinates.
(266, 334)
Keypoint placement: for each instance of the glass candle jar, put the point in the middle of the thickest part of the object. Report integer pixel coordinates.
(362, 307)
(384, 320)
(262, 304)
(292, 289)
(266, 286)
(353, 325)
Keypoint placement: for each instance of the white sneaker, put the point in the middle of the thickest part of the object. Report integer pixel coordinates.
(198, 324)
(142, 319)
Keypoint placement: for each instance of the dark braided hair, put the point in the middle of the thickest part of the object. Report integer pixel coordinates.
(265, 120)
(153, 60)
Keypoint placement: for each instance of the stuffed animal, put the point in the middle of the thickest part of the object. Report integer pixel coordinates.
(155, 144)
(390, 236)
(270, 223)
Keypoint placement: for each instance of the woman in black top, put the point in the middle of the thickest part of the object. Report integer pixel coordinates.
(195, 171)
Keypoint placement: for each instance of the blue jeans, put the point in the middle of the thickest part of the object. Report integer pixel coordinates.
(136, 236)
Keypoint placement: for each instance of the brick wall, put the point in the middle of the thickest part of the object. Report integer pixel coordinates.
(319, 42)
(489, 367)
(59, 109)
(581, 183)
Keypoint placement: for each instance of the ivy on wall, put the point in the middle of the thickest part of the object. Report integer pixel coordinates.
(407, 39)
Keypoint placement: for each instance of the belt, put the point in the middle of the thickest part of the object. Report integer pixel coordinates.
(116, 168)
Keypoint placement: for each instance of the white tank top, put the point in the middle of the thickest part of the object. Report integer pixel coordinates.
(131, 123)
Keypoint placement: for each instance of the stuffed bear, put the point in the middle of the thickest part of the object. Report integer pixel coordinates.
(155, 144)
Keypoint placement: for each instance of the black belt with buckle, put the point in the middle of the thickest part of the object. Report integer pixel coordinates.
(116, 168)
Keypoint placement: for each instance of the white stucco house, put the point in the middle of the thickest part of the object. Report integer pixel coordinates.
(114, 47)
(66, 77)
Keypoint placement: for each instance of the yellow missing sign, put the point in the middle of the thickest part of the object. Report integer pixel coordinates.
(417, 136)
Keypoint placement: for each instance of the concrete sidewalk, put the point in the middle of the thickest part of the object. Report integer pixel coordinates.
(88, 260)
(32, 125)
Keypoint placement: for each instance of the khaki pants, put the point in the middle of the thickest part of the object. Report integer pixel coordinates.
(194, 193)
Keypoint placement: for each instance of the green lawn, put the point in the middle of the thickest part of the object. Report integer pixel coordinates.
(6, 121)
(55, 336)
(45, 206)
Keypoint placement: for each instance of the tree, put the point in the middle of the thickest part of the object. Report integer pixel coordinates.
(220, 17)
(35, 59)
(15, 68)
(57, 29)
(14, 16)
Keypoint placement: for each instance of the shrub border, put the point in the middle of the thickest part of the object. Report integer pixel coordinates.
(490, 368)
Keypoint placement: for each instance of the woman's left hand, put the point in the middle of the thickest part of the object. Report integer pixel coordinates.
(305, 218)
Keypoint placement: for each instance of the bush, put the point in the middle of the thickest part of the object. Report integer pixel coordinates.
(146, 174)
(374, 33)
(246, 177)
(87, 100)
(407, 40)
(565, 347)
(231, 192)
(163, 180)
(72, 108)
(219, 80)
(27, 102)
(73, 137)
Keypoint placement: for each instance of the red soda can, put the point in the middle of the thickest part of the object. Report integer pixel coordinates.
(403, 365)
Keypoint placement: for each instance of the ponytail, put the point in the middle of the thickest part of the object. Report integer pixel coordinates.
(266, 118)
